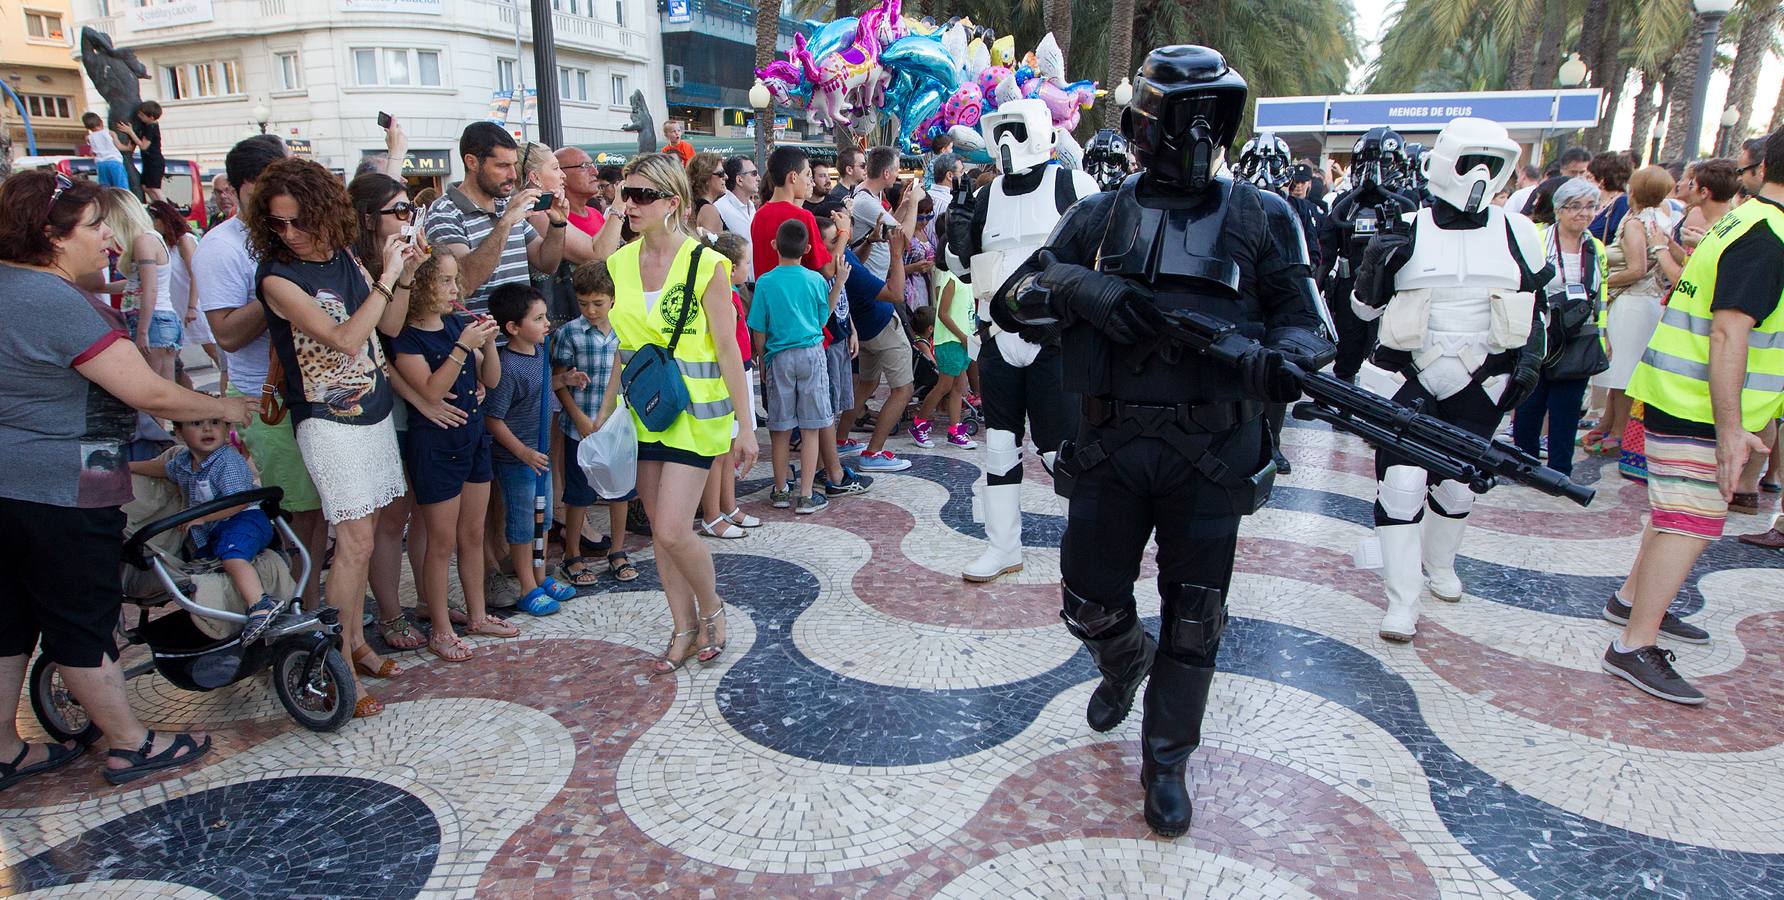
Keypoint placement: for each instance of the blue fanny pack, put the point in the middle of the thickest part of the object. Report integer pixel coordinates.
(652, 380)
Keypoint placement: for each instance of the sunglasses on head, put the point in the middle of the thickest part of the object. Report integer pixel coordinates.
(402, 209)
(63, 183)
(641, 196)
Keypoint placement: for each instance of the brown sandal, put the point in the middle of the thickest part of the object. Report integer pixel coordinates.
(401, 634)
(386, 668)
(493, 627)
(1747, 503)
(367, 707)
(449, 647)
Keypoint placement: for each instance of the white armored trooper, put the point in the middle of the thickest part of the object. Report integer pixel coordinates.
(1458, 298)
(1019, 371)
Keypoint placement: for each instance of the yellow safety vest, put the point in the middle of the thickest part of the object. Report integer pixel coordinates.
(1674, 373)
(705, 428)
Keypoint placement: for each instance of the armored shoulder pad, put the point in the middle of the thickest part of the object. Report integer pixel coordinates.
(1525, 239)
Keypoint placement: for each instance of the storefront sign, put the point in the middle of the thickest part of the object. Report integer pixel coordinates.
(300, 147)
(421, 162)
(1429, 112)
(420, 7)
(167, 15)
(680, 12)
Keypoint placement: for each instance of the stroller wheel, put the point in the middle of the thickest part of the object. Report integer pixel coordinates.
(61, 715)
(972, 425)
(321, 700)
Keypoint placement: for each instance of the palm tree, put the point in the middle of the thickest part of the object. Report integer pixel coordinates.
(1758, 38)
(1121, 54)
(1644, 114)
(767, 33)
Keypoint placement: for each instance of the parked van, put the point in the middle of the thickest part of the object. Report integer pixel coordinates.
(183, 184)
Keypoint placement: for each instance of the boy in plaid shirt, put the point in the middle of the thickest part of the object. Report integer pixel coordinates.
(588, 345)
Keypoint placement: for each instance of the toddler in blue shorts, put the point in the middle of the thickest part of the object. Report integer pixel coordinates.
(207, 468)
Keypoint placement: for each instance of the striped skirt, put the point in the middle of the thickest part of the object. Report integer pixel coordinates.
(1682, 486)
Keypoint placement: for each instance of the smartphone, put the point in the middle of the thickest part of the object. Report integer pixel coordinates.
(384, 120)
(544, 202)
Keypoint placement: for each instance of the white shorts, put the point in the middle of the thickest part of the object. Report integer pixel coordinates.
(357, 468)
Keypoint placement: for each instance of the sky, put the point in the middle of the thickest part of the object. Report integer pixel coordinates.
(1372, 16)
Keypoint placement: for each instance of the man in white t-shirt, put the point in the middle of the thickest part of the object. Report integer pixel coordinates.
(737, 206)
(1529, 177)
(872, 223)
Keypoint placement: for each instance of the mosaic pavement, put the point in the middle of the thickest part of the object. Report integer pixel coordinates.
(880, 728)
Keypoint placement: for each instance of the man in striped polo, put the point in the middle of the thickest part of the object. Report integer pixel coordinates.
(482, 220)
(1712, 376)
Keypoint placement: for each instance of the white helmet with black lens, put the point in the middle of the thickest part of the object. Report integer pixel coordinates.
(1019, 135)
(1472, 159)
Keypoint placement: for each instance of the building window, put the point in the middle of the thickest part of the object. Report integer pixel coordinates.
(290, 74)
(505, 75)
(373, 67)
(573, 83)
(189, 81)
(45, 106)
(44, 27)
(622, 95)
(619, 12)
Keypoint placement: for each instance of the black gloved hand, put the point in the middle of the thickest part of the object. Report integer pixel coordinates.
(1384, 256)
(1266, 375)
(1121, 309)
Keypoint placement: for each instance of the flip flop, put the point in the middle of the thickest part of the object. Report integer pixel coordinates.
(59, 755)
(143, 765)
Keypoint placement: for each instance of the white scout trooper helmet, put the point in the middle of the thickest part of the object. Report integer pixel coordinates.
(1019, 135)
(1472, 159)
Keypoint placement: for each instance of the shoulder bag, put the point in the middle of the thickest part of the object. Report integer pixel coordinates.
(651, 380)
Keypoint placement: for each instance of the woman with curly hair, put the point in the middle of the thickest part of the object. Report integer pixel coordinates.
(706, 178)
(322, 311)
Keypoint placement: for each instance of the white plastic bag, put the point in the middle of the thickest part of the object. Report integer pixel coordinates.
(609, 457)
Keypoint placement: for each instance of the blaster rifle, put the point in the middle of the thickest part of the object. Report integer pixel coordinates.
(1427, 442)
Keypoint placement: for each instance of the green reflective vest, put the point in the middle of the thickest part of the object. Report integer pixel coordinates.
(1674, 373)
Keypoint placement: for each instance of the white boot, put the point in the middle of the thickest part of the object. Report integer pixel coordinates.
(1441, 538)
(1401, 576)
(1002, 507)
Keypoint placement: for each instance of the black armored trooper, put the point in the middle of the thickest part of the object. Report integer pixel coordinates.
(1169, 441)
(1377, 170)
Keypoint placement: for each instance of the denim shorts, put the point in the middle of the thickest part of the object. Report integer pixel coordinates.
(166, 331)
(241, 536)
(518, 485)
(577, 491)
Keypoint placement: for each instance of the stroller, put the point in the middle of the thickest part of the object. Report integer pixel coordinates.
(197, 647)
(925, 376)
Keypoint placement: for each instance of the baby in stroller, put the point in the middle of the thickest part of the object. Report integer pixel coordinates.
(205, 468)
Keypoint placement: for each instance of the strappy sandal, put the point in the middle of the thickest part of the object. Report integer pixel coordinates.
(1610, 446)
(449, 647)
(401, 634)
(493, 627)
(619, 565)
(579, 571)
(367, 707)
(456, 612)
(14, 772)
(386, 668)
(713, 528)
(711, 652)
(142, 764)
(666, 666)
(742, 519)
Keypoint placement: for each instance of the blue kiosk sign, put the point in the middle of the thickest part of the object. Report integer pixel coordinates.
(1528, 115)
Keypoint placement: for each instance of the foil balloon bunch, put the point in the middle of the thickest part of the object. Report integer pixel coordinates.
(933, 79)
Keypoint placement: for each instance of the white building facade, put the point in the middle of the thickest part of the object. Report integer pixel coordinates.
(322, 70)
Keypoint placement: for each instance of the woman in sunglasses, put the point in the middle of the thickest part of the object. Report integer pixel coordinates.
(383, 209)
(322, 312)
(74, 382)
(658, 281)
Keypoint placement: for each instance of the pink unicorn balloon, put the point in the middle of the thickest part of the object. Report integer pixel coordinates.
(851, 77)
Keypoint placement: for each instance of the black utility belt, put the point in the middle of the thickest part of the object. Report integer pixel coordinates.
(1155, 418)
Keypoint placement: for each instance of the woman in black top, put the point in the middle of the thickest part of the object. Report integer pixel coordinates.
(322, 311)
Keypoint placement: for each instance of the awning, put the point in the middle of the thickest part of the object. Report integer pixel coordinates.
(618, 153)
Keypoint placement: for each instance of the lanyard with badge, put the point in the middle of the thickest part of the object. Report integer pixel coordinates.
(1577, 296)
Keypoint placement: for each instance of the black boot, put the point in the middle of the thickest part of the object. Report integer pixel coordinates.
(1121, 650)
(1175, 700)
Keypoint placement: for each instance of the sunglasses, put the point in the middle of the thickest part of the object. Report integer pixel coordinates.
(639, 196)
(402, 209)
(280, 224)
(63, 183)
(1746, 169)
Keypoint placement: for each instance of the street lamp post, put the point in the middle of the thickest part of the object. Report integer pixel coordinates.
(1571, 75)
(1726, 139)
(261, 115)
(762, 100)
(1710, 14)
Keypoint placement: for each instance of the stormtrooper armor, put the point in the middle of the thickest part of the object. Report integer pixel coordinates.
(1264, 161)
(1169, 441)
(1018, 366)
(1457, 298)
(1107, 159)
(1377, 167)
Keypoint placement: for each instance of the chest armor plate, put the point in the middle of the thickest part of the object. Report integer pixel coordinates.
(1473, 259)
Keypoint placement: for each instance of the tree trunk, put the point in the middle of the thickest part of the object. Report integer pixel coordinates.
(767, 32)
(1644, 117)
(1523, 58)
(1597, 27)
(844, 9)
(1758, 33)
(1121, 60)
(1547, 63)
(1057, 14)
(1777, 115)
(1681, 85)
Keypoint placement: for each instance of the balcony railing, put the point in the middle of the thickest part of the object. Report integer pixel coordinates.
(580, 31)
